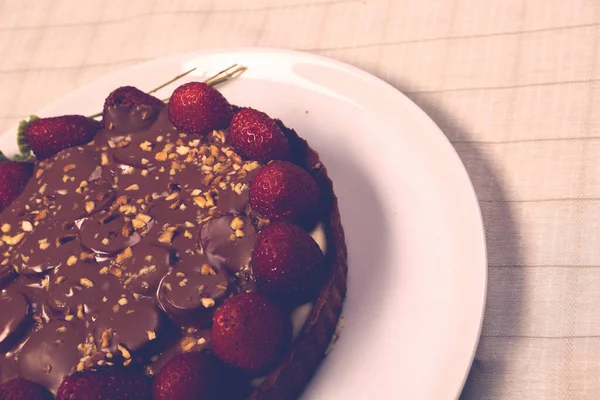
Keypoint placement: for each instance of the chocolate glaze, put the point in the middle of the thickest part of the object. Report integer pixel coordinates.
(144, 206)
(122, 249)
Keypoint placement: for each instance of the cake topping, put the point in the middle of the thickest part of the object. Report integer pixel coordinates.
(106, 383)
(283, 191)
(249, 332)
(48, 136)
(188, 376)
(22, 389)
(130, 99)
(13, 179)
(198, 108)
(256, 136)
(287, 263)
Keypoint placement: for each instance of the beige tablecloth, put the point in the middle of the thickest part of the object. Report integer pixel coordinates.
(513, 84)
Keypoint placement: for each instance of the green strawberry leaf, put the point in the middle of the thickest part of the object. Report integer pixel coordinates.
(21, 141)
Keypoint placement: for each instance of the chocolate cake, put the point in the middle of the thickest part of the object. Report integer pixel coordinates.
(128, 252)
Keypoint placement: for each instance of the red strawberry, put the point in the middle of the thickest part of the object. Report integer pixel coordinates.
(287, 262)
(188, 376)
(48, 136)
(108, 383)
(254, 135)
(249, 332)
(22, 389)
(13, 179)
(199, 108)
(283, 191)
(130, 97)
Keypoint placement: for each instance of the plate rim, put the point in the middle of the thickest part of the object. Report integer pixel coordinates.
(360, 73)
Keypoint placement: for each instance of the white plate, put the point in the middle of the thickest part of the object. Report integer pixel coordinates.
(417, 259)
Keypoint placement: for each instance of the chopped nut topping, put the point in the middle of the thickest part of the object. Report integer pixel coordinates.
(124, 352)
(26, 226)
(116, 308)
(60, 280)
(207, 302)
(236, 223)
(89, 206)
(61, 329)
(43, 243)
(182, 150)
(200, 201)
(239, 233)
(72, 260)
(151, 335)
(187, 343)
(122, 301)
(124, 255)
(69, 167)
(105, 241)
(86, 282)
(183, 282)
(5, 228)
(106, 337)
(146, 146)
(161, 156)
(135, 186)
(103, 271)
(12, 240)
(167, 235)
(206, 269)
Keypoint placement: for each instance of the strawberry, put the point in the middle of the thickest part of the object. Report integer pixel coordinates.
(287, 263)
(22, 389)
(130, 97)
(283, 191)
(48, 136)
(13, 179)
(188, 376)
(107, 383)
(249, 332)
(199, 108)
(254, 135)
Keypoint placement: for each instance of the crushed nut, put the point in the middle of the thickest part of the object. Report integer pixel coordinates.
(187, 343)
(151, 335)
(124, 351)
(86, 282)
(89, 206)
(12, 240)
(146, 146)
(124, 255)
(207, 302)
(236, 223)
(135, 186)
(72, 260)
(206, 269)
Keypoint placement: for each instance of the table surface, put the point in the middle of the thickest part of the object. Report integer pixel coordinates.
(512, 83)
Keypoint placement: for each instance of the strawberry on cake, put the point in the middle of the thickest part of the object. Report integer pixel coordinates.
(187, 250)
